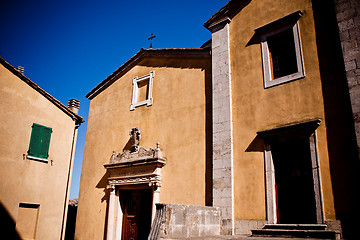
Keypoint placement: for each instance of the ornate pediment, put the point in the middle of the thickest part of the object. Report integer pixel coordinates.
(136, 165)
(136, 153)
(140, 154)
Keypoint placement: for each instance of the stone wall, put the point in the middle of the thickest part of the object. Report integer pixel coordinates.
(183, 221)
(348, 18)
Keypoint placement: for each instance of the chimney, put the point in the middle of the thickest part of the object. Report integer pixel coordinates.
(74, 105)
(20, 69)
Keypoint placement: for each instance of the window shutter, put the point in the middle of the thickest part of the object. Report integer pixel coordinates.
(39, 141)
(35, 140)
(45, 142)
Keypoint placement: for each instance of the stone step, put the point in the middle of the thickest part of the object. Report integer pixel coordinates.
(243, 237)
(296, 226)
(296, 233)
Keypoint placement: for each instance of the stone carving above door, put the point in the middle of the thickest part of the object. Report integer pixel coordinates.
(136, 152)
(136, 165)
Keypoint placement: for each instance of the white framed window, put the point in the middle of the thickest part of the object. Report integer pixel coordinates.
(142, 91)
(281, 50)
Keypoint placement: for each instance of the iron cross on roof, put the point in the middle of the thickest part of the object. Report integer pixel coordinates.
(151, 38)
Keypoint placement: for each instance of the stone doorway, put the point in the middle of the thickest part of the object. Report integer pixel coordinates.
(293, 189)
(134, 182)
(294, 185)
(137, 208)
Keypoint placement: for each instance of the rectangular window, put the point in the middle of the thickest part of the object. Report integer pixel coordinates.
(27, 220)
(282, 54)
(281, 50)
(39, 142)
(142, 91)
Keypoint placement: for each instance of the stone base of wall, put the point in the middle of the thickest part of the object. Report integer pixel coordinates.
(174, 221)
(334, 225)
(244, 227)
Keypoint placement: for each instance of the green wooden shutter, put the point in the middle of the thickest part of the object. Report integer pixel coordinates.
(35, 140)
(45, 142)
(39, 141)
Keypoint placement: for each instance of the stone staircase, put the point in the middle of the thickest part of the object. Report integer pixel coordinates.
(317, 231)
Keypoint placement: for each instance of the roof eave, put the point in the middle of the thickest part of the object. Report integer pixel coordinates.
(78, 119)
(226, 13)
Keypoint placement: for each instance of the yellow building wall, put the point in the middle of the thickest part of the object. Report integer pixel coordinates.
(177, 119)
(256, 109)
(27, 181)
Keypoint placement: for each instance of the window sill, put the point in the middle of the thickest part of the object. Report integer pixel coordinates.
(285, 79)
(45, 160)
(147, 102)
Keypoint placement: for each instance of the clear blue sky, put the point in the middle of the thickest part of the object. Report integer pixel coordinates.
(68, 47)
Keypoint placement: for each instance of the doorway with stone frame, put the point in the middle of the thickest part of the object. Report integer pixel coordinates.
(136, 207)
(134, 181)
(293, 189)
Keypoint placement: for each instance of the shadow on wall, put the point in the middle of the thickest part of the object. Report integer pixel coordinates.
(256, 145)
(343, 152)
(7, 228)
(103, 184)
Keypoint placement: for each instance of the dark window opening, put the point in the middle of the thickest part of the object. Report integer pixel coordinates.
(282, 54)
(143, 90)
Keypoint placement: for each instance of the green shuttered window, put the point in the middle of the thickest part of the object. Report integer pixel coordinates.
(39, 141)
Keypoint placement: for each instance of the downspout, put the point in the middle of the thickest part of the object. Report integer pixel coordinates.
(73, 106)
(68, 183)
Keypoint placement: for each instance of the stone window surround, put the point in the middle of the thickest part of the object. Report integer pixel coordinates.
(148, 102)
(274, 28)
(268, 135)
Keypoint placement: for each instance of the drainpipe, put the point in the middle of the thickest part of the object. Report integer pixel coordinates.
(73, 105)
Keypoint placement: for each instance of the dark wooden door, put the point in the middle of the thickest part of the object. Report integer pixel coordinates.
(136, 205)
(294, 181)
(131, 215)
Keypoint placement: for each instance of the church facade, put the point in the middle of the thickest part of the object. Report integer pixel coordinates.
(164, 99)
(249, 133)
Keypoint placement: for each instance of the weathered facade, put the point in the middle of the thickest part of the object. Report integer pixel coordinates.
(38, 136)
(174, 110)
(276, 129)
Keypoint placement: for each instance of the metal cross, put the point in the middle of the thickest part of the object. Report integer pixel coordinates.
(151, 38)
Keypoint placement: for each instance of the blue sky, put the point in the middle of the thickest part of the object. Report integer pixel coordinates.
(68, 47)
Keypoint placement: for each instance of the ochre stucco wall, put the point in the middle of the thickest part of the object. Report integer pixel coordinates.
(256, 109)
(177, 119)
(29, 181)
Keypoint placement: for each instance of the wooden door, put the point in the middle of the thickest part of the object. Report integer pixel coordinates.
(131, 215)
(136, 206)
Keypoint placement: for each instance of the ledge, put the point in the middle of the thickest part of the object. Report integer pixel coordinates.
(45, 160)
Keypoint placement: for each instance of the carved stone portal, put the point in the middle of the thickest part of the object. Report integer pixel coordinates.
(136, 168)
